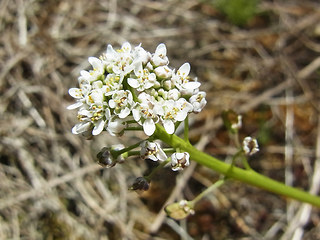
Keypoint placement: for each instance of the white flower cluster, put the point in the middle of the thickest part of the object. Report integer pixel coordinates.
(132, 85)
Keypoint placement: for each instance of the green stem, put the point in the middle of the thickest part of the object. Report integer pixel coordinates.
(206, 192)
(248, 176)
(116, 153)
(186, 129)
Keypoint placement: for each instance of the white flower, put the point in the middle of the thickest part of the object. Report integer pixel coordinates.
(144, 80)
(95, 74)
(163, 72)
(144, 113)
(250, 146)
(181, 80)
(78, 94)
(179, 161)
(95, 114)
(96, 96)
(116, 126)
(122, 102)
(174, 111)
(153, 151)
(141, 55)
(198, 101)
(159, 58)
(113, 83)
(118, 62)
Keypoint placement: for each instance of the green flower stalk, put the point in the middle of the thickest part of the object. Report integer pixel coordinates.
(232, 172)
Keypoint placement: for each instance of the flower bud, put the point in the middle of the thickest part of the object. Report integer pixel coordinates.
(179, 210)
(168, 84)
(232, 121)
(140, 184)
(163, 72)
(105, 158)
(174, 94)
(163, 93)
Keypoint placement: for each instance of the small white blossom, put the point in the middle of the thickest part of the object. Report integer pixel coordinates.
(79, 95)
(250, 146)
(159, 58)
(116, 126)
(118, 62)
(96, 115)
(95, 74)
(144, 79)
(152, 151)
(141, 55)
(182, 82)
(179, 161)
(144, 113)
(122, 103)
(113, 83)
(173, 111)
(97, 84)
(163, 72)
(95, 97)
(198, 101)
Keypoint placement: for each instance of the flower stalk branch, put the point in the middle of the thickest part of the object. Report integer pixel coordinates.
(209, 190)
(232, 172)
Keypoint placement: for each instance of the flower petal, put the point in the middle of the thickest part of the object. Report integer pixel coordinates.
(75, 92)
(149, 127)
(184, 70)
(81, 127)
(95, 62)
(133, 82)
(192, 85)
(98, 128)
(124, 113)
(75, 105)
(136, 115)
(168, 126)
(161, 49)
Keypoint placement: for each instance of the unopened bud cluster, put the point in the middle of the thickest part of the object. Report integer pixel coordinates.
(132, 85)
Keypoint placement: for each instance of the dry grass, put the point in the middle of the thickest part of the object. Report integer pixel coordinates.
(51, 187)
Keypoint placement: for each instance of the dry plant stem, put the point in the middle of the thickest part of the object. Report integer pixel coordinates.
(232, 172)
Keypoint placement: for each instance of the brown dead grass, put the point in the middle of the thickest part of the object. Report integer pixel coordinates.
(51, 187)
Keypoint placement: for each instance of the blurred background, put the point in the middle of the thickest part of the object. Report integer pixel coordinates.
(259, 58)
